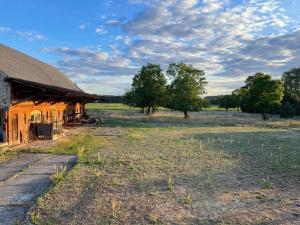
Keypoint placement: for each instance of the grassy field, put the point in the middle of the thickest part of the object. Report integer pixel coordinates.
(118, 106)
(216, 168)
(107, 106)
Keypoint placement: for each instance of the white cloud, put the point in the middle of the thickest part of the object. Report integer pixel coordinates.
(4, 29)
(119, 37)
(84, 26)
(229, 41)
(100, 30)
(113, 22)
(30, 35)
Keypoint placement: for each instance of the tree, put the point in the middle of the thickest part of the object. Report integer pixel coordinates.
(229, 101)
(129, 98)
(287, 111)
(186, 88)
(291, 81)
(264, 94)
(148, 88)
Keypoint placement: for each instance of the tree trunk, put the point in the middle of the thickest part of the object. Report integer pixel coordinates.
(186, 115)
(143, 110)
(148, 110)
(265, 116)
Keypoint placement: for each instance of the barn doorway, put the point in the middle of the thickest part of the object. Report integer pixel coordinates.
(15, 128)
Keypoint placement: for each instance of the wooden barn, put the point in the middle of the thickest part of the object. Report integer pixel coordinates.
(36, 100)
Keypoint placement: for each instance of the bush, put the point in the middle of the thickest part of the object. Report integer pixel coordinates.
(287, 110)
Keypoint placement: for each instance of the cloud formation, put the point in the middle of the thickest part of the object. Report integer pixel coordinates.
(4, 29)
(228, 40)
(28, 35)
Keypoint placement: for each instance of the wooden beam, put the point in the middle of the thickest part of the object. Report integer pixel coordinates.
(23, 100)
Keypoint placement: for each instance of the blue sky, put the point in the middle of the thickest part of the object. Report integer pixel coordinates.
(101, 44)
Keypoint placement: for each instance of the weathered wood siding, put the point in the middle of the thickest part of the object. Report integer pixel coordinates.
(23, 111)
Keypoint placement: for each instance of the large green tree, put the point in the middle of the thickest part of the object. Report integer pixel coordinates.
(263, 94)
(148, 88)
(186, 88)
(229, 101)
(291, 81)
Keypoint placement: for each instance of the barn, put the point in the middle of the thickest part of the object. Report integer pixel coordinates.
(36, 100)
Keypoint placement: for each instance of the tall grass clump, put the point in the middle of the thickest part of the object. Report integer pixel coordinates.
(80, 153)
(58, 175)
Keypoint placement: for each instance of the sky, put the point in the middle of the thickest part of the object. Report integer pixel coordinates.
(102, 44)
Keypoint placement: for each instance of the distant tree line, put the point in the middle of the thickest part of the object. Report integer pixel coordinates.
(150, 89)
(110, 99)
(186, 86)
(262, 94)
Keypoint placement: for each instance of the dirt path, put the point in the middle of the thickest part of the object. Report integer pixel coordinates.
(25, 178)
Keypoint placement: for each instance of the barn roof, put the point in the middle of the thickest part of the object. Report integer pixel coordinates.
(18, 66)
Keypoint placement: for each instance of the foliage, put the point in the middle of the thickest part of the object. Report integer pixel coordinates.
(148, 88)
(129, 98)
(58, 175)
(170, 184)
(187, 86)
(262, 94)
(229, 101)
(291, 81)
(214, 100)
(287, 110)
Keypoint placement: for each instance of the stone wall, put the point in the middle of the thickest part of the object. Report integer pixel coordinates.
(4, 104)
(4, 92)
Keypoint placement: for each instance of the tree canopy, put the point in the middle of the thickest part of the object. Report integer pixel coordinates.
(263, 94)
(186, 88)
(229, 101)
(291, 81)
(148, 88)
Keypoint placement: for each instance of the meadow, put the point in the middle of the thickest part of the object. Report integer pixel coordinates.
(215, 168)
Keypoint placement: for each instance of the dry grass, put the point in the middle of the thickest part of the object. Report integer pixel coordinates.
(217, 168)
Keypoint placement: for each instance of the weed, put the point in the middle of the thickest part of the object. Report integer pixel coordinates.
(265, 184)
(115, 182)
(153, 218)
(187, 200)
(99, 161)
(120, 162)
(97, 173)
(208, 182)
(35, 218)
(170, 184)
(58, 175)
(262, 196)
(80, 153)
(114, 208)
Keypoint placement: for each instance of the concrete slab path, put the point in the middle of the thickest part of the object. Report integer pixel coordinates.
(25, 178)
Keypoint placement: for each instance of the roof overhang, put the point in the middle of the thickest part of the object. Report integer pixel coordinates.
(61, 92)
